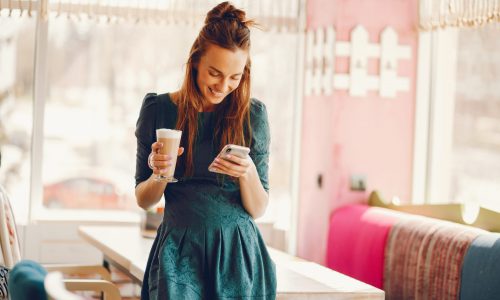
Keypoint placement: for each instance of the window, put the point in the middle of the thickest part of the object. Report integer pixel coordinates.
(97, 75)
(273, 71)
(464, 117)
(17, 45)
(475, 174)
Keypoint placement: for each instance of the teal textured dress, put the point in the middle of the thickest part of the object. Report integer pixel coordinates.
(208, 246)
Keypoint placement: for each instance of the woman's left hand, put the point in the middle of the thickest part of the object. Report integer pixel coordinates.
(234, 166)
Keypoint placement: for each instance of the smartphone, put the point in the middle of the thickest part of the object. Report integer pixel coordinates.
(235, 150)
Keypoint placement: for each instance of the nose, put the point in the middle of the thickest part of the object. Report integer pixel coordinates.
(223, 85)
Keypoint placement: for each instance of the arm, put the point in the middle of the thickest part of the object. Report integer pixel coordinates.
(253, 195)
(149, 192)
(148, 163)
(252, 171)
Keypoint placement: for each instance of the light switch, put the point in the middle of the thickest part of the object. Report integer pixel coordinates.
(358, 182)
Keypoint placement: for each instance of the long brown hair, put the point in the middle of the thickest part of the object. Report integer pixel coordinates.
(226, 27)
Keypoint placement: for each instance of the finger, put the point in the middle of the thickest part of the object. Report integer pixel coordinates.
(219, 168)
(237, 160)
(222, 170)
(158, 170)
(230, 169)
(160, 158)
(161, 163)
(230, 165)
(161, 169)
(156, 146)
(180, 151)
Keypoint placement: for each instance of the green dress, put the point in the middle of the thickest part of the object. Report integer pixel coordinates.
(208, 246)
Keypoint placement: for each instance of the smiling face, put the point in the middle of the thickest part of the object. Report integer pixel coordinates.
(219, 73)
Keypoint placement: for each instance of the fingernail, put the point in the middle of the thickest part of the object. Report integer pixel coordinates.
(163, 170)
(228, 156)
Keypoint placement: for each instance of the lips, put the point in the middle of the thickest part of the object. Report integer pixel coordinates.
(216, 94)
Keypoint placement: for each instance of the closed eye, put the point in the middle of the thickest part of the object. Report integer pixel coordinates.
(214, 74)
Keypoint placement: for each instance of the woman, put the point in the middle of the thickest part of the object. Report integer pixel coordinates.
(208, 246)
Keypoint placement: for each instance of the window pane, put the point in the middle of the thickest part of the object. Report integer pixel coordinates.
(476, 147)
(17, 36)
(274, 60)
(99, 74)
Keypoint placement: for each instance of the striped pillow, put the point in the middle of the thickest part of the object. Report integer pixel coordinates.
(4, 294)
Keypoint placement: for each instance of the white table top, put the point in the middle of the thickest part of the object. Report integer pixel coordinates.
(297, 278)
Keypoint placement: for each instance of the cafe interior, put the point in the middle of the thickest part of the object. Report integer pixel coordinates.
(384, 156)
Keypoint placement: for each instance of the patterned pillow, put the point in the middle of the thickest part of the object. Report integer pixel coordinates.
(4, 273)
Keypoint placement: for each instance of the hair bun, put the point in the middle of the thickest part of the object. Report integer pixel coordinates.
(225, 11)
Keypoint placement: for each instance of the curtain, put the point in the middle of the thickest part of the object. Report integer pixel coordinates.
(281, 15)
(435, 14)
(13, 8)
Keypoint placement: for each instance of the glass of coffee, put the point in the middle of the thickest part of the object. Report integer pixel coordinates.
(171, 140)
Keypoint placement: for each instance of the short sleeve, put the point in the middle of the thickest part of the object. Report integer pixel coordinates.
(261, 138)
(145, 134)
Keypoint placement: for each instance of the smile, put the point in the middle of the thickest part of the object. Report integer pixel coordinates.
(216, 94)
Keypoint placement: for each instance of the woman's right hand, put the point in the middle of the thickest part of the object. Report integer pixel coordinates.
(160, 163)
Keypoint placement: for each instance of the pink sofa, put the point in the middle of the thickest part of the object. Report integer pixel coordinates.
(412, 257)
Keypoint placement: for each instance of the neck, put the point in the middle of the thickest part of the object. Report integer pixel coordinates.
(208, 108)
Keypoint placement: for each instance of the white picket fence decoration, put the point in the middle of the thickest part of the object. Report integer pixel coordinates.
(322, 50)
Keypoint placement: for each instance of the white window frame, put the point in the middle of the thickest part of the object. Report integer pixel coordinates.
(434, 111)
(36, 211)
(297, 133)
(39, 97)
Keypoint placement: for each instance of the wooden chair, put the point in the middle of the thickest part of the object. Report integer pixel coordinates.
(58, 288)
(10, 254)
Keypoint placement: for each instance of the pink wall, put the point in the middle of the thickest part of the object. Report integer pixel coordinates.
(345, 135)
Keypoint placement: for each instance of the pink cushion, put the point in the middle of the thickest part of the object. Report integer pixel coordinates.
(356, 241)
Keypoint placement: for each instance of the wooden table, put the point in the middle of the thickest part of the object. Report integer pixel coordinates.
(126, 249)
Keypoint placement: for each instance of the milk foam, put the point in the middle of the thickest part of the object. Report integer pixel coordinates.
(164, 133)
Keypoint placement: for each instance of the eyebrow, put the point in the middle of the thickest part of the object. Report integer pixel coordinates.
(215, 69)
